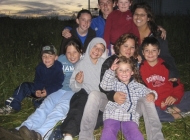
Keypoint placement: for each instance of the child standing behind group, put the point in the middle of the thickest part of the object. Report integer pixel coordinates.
(48, 79)
(124, 76)
(119, 21)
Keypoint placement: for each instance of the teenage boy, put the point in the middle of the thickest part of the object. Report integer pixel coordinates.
(48, 79)
(82, 31)
(172, 103)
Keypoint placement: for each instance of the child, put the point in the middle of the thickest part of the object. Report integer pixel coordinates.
(48, 79)
(119, 22)
(172, 103)
(82, 32)
(124, 76)
(55, 107)
(84, 79)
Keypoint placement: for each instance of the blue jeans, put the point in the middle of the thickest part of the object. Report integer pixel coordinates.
(129, 129)
(184, 106)
(53, 109)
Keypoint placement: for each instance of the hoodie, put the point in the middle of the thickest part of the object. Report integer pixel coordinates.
(91, 71)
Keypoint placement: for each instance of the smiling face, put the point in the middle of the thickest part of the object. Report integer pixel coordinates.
(96, 52)
(123, 5)
(140, 17)
(128, 48)
(72, 54)
(124, 72)
(48, 59)
(151, 53)
(84, 21)
(106, 7)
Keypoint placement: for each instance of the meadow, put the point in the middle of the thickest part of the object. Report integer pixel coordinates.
(20, 44)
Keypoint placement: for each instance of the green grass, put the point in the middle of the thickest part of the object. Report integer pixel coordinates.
(20, 44)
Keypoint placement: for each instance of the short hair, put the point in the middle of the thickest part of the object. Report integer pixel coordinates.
(82, 12)
(122, 39)
(74, 42)
(111, 0)
(150, 41)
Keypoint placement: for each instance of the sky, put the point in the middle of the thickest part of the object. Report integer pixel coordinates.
(36, 8)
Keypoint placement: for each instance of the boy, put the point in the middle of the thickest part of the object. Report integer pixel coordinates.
(82, 31)
(172, 103)
(48, 79)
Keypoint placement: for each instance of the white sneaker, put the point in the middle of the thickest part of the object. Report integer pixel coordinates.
(68, 138)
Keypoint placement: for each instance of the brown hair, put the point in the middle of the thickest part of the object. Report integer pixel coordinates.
(133, 64)
(122, 39)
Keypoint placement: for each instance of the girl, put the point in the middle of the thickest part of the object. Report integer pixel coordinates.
(126, 46)
(55, 107)
(124, 76)
(84, 79)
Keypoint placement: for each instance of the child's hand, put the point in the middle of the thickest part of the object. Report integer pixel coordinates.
(79, 77)
(163, 105)
(139, 59)
(44, 93)
(66, 33)
(119, 97)
(114, 66)
(38, 93)
(170, 100)
(150, 97)
(173, 79)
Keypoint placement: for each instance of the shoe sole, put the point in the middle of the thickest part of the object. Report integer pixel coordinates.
(25, 133)
(6, 135)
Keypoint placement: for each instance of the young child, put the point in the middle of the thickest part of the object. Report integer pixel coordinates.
(55, 107)
(172, 103)
(82, 31)
(119, 22)
(124, 76)
(84, 79)
(48, 79)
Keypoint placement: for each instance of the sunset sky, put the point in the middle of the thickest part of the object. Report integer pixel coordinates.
(43, 7)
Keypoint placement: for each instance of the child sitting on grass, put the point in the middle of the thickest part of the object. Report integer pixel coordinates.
(48, 79)
(124, 76)
(172, 103)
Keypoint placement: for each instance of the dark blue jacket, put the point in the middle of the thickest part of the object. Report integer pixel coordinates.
(50, 79)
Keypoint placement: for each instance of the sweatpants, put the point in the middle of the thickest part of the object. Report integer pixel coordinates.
(25, 89)
(72, 122)
(128, 128)
(53, 109)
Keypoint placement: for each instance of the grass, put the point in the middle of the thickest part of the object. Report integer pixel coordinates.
(20, 44)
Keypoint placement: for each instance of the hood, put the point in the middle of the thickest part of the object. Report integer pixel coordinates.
(92, 43)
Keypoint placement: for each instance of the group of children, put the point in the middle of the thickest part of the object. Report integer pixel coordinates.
(64, 85)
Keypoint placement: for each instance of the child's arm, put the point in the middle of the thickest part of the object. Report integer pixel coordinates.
(57, 80)
(74, 85)
(108, 81)
(178, 92)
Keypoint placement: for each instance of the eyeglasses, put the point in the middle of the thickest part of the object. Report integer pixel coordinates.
(140, 15)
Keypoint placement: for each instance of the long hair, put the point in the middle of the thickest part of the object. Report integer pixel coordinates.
(122, 39)
(151, 23)
(133, 64)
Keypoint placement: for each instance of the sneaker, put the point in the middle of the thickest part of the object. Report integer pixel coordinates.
(185, 114)
(6, 110)
(27, 134)
(68, 138)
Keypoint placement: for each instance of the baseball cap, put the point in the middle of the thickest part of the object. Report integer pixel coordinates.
(49, 49)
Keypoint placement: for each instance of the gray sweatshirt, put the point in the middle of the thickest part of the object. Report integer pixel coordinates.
(90, 70)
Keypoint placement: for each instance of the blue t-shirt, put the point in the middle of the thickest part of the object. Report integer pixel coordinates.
(68, 69)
